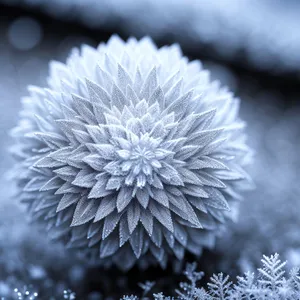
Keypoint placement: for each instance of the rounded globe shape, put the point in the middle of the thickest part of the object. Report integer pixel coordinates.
(131, 153)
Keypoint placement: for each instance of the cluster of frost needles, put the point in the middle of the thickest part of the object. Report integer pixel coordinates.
(268, 283)
(131, 152)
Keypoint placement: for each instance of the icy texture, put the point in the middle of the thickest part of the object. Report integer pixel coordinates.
(268, 283)
(131, 150)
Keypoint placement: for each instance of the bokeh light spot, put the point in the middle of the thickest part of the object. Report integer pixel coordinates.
(25, 33)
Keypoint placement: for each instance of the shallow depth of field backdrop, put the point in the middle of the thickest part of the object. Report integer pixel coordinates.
(251, 46)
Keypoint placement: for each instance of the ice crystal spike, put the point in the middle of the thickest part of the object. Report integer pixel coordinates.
(131, 153)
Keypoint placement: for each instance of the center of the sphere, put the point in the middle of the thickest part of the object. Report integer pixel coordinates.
(138, 162)
(142, 153)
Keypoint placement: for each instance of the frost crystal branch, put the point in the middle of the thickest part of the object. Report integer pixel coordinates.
(131, 151)
(269, 284)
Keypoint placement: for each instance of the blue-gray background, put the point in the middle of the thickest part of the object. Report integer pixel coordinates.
(251, 46)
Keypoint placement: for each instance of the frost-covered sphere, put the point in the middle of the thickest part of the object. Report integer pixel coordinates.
(131, 153)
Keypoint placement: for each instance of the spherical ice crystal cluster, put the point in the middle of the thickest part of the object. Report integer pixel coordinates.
(131, 153)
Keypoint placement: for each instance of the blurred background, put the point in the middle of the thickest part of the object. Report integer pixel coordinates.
(252, 46)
